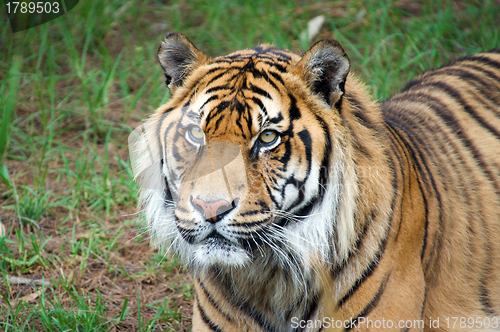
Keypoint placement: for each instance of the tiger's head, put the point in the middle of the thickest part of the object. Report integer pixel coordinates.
(247, 161)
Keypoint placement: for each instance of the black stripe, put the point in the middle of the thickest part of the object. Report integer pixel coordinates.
(294, 111)
(167, 194)
(372, 305)
(276, 57)
(485, 60)
(217, 125)
(422, 310)
(247, 116)
(222, 61)
(325, 162)
(426, 228)
(270, 194)
(277, 77)
(158, 131)
(238, 57)
(166, 132)
(359, 112)
(312, 307)
(240, 108)
(356, 145)
(190, 98)
(187, 234)
(276, 65)
(212, 301)
(219, 108)
(396, 138)
(276, 119)
(259, 91)
(278, 53)
(366, 273)
(167, 110)
(285, 158)
(305, 210)
(219, 88)
(270, 81)
(259, 103)
(485, 71)
(211, 325)
(403, 168)
(282, 54)
(226, 72)
(305, 137)
(254, 223)
(484, 297)
(160, 123)
(338, 103)
(208, 100)
(342, 265)
(215, 69)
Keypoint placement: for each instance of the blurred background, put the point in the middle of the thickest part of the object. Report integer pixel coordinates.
(74, 254)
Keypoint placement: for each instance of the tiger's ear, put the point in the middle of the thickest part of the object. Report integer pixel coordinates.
(178, 57)
(325, 67)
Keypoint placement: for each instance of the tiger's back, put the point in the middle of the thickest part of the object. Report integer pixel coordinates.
(449, 121)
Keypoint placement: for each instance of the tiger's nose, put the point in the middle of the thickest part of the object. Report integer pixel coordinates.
(214, 211)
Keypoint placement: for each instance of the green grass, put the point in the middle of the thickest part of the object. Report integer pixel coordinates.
(73, 89)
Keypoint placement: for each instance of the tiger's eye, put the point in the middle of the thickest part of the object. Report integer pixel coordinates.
(268, 136)
(196, 133)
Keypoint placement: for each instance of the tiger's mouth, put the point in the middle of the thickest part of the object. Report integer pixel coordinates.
(217, 241)
(215, 249)
(213, 245)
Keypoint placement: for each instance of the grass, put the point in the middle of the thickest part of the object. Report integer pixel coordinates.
(73, 89)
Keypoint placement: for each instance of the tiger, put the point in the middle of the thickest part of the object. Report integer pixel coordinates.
(299, 203)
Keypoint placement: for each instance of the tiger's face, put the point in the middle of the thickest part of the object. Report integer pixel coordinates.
(246, 151)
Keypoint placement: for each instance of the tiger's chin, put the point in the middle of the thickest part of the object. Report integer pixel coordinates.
(216, 252)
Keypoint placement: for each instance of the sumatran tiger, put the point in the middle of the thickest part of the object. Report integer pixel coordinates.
(300, 204)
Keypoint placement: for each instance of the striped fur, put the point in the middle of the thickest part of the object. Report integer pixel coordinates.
(356, 211)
